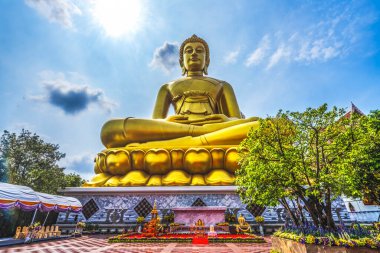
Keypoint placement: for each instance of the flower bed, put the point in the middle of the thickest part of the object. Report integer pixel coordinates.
(236, 239)
(186, 238)
(282, 245)
(327, 241)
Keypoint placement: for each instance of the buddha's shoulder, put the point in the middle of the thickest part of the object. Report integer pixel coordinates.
(183, 80)
(177, 81)
(213, 80)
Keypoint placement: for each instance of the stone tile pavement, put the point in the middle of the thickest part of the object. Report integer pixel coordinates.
(98, 243)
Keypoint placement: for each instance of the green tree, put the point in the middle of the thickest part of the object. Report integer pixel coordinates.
(3, 171)
(366, 158)
(32, 162)
(73, 180)
(304, 158)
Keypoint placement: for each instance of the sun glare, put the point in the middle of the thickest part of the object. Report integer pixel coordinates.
(118, 17)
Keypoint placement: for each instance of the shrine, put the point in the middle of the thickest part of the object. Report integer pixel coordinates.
(210, 215)
(177, 168)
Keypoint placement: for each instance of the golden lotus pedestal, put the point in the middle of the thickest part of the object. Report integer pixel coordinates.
(173, 166)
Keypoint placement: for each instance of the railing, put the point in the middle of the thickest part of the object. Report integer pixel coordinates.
(188, 229)
(365, 216)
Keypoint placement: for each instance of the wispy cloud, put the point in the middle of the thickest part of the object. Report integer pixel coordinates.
(260, 52)
(58, 11)
(231, 57)
(71, 97)
(82, 164)
(318, 50)
(165, 57)
(18, 126)
(334, 35)
(282, 52)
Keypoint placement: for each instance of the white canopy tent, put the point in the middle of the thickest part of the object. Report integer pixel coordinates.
(18, 196)
(26, 199)
(58, 203)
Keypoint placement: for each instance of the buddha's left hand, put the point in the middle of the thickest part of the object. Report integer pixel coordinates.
(210, 119)
(221, 117)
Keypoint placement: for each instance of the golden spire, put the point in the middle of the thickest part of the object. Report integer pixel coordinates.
(154, 210)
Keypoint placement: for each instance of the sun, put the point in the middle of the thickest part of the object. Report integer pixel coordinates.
(118, 17)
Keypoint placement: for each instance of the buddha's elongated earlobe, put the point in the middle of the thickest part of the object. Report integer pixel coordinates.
(184, 71)
(206, 66)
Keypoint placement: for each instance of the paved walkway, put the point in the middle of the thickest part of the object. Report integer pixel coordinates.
(99, 243)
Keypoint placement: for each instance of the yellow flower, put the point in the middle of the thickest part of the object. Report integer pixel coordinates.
(310, 239)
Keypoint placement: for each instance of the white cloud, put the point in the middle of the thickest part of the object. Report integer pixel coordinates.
(337, 34)
(231, 57)
(70, 96)
(58, 11)
(166, 57)
(281, 53)
(258, 55)
(82, 164)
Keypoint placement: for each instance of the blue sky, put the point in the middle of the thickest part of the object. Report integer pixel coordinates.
(68, 66)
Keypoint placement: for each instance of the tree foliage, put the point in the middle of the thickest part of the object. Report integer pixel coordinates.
(303, 157)
(32, 162)
(73, 180)
(3, 171)
(366, 158)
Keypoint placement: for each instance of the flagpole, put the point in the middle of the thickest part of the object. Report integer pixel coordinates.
(34, 216)
(46, 218)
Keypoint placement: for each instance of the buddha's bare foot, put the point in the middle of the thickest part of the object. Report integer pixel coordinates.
(250, 119)
(135, 144)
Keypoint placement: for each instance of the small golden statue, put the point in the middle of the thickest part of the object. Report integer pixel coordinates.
(199, 228)
(199, 223)
(196, 146)
(243, 226)
(152, 228)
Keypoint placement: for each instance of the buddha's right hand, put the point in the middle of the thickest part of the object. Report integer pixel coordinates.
(178, 119)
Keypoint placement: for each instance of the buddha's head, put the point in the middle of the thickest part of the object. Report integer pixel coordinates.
(194, 55)
(241, 220)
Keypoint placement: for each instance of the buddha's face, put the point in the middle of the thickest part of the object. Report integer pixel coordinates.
(194, 56)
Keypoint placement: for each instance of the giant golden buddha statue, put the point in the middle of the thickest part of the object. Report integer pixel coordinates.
(196, 146)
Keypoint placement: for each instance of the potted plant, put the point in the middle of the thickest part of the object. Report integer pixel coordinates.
(169, 218)
(79, 228)
(33, 230)
(260, 220)
(139, 221)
